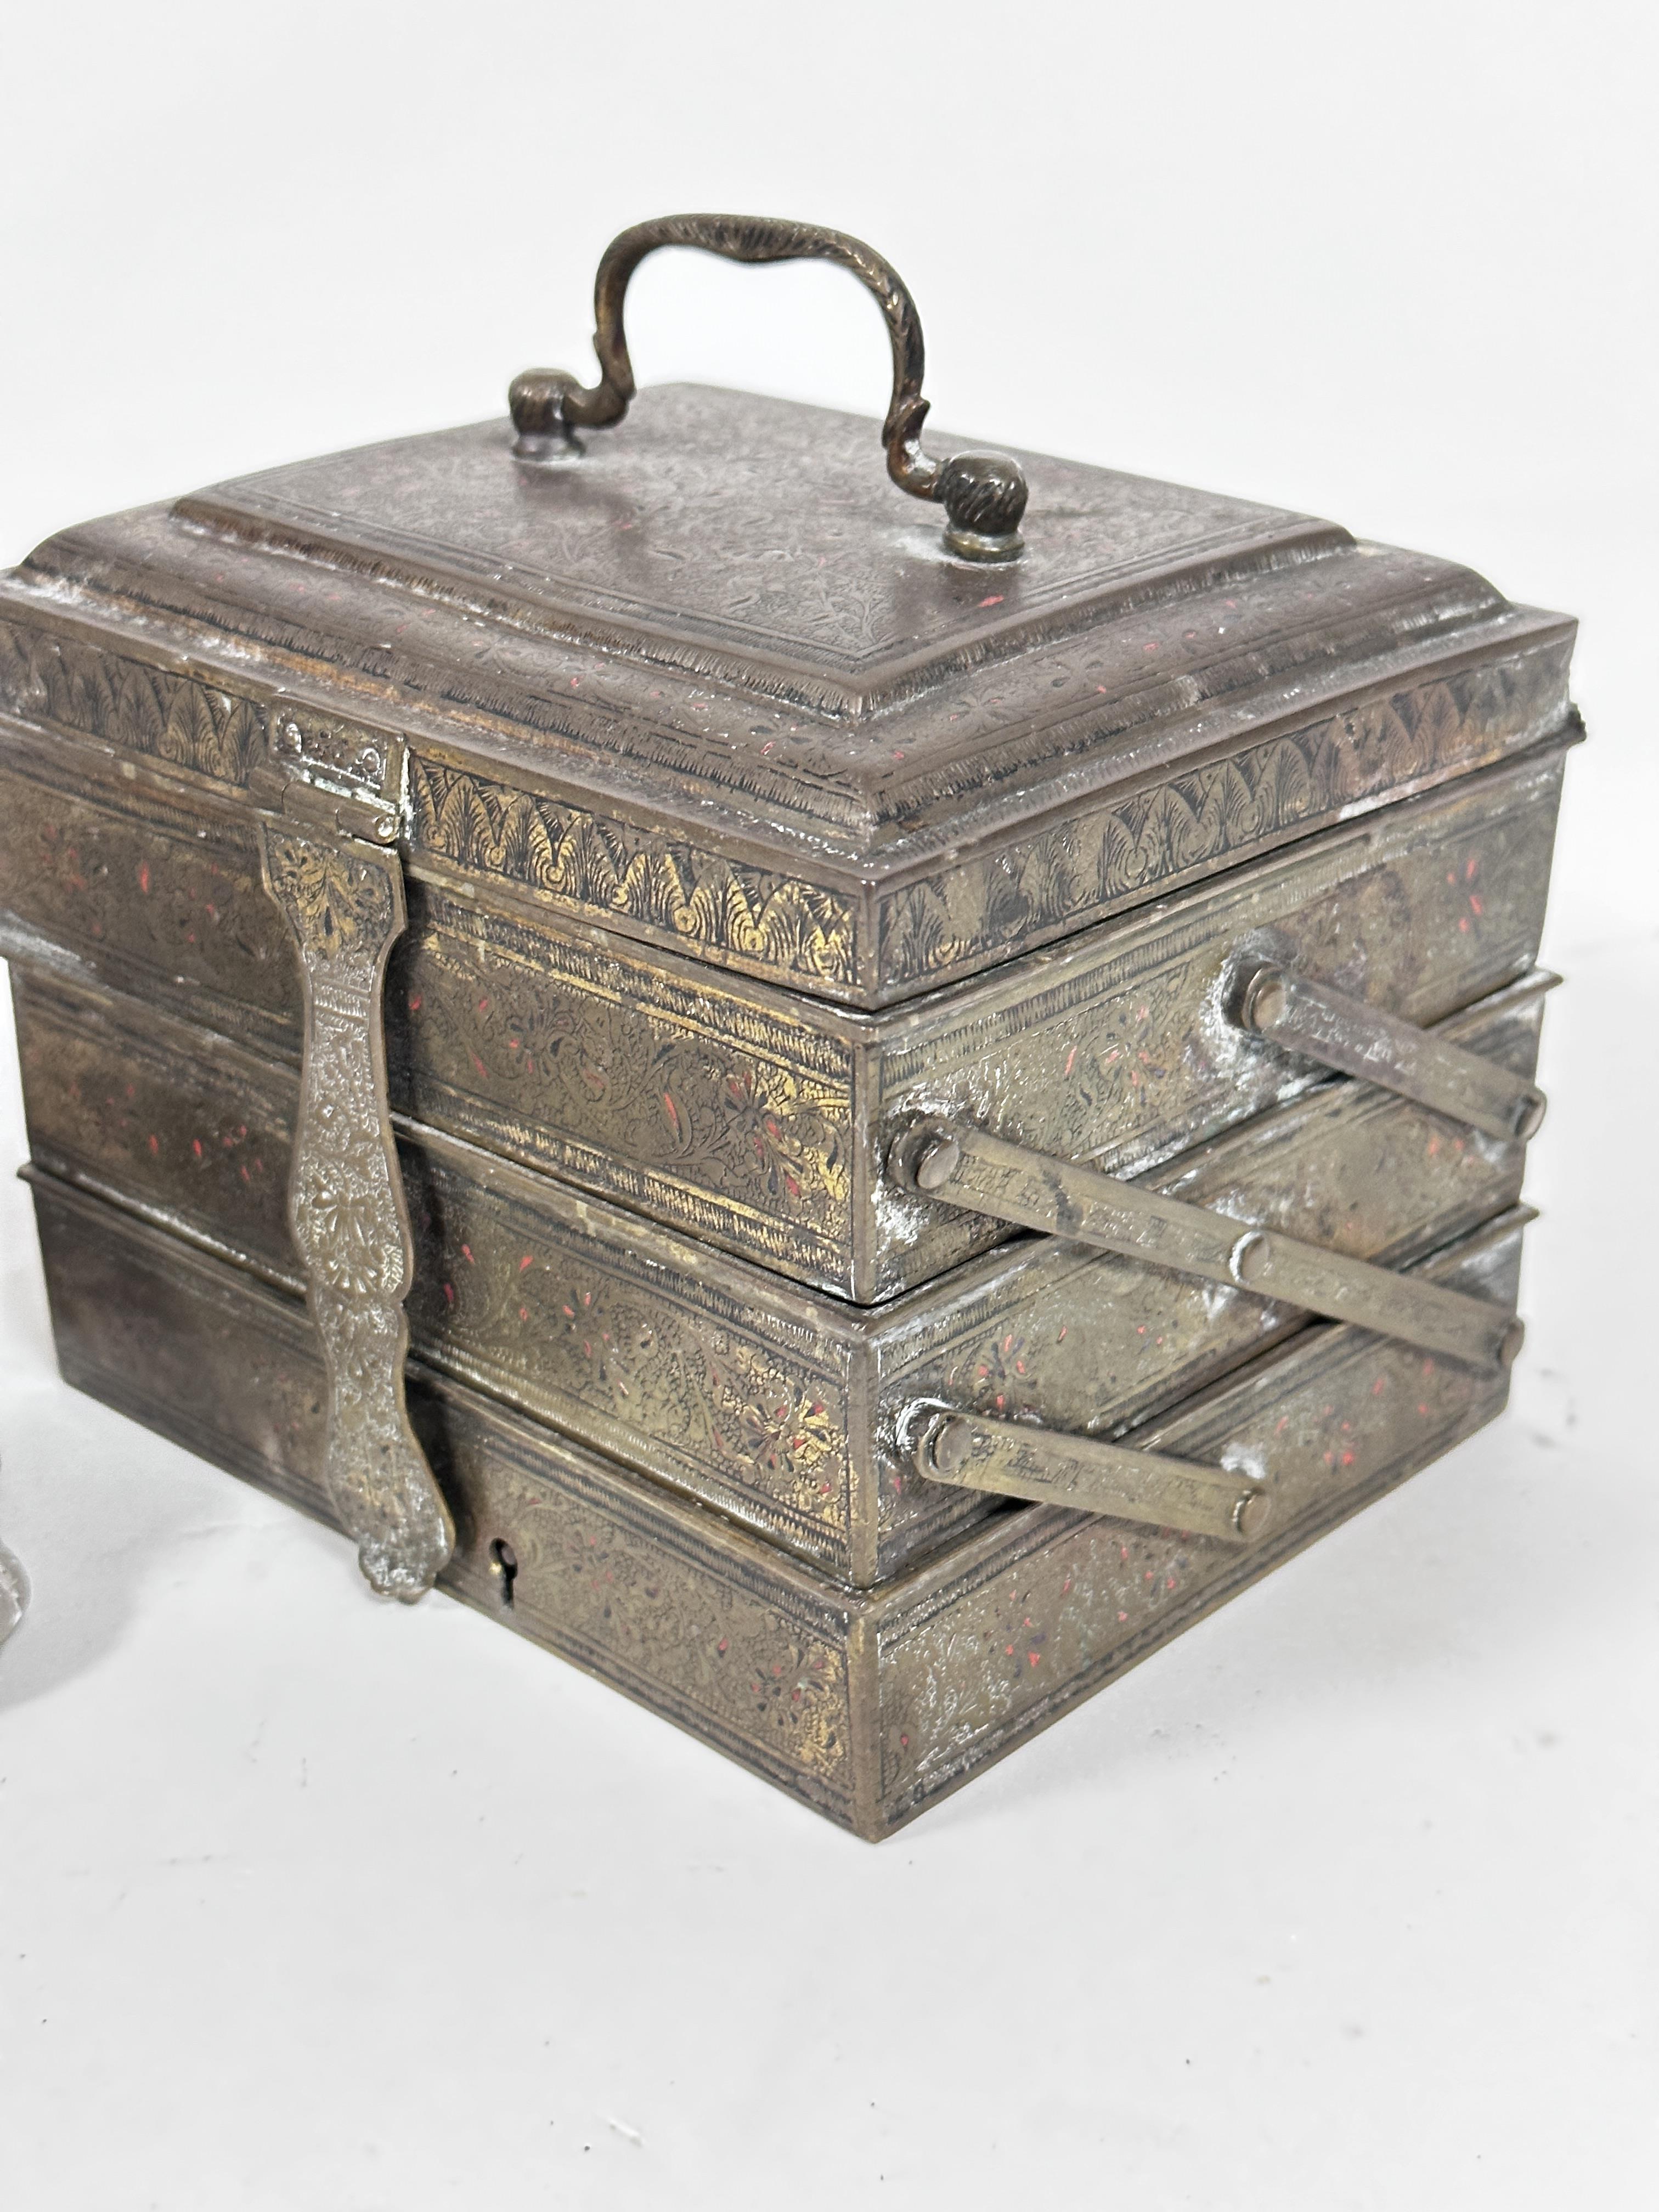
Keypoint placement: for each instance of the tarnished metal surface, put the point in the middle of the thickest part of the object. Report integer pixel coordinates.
(778, 1407)
(1324, 1024)
(750, 1117)
(966, 1167)
(983, 494)
(866, 1707)
(665, 831)
(342, 900)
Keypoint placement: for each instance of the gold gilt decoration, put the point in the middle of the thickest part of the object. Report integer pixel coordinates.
(81, 687)
(608, 869)
(1136, 847)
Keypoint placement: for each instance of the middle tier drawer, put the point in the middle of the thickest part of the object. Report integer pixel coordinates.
(779, 1406)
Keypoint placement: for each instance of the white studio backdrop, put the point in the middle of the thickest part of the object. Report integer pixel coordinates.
(1344, 1901)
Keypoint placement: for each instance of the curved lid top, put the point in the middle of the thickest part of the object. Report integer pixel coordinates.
(718, 627)
(722, 534)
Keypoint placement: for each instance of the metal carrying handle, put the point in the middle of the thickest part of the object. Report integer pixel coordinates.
(983, 494)
(963, 1165)
(1013, 1459)
(1346, 1034)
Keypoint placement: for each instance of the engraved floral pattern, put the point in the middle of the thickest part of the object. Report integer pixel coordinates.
(344, 906)
(562, 1045)
(583, 860)
(173, 718)
(1198, 821)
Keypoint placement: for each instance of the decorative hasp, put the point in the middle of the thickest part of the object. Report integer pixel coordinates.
(344, 902)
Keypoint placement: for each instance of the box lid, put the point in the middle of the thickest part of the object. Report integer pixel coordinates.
(713, 681)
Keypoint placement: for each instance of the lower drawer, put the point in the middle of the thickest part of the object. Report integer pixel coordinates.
(865, 1706)
(779, 1406)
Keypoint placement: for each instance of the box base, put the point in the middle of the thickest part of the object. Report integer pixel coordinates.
(867, 1705)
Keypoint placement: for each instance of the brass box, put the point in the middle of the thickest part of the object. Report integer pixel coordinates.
(924, 1109)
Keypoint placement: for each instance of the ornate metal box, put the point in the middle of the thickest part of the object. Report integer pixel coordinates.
(815, 1030)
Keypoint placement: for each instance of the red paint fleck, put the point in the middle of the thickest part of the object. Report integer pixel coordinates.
(673, 1112)
(570, 1312)
(1123, 1551)
(1061, 1339)
(143, 876)
(1423, 1410)
(478, 1064)
(1347, 1459)
(1008, 1649)
(449, 1293)
(1169, 1583)
(525, 1262)
(154, 1144)
(1071, 1059)
(1475, 906)
(196, 1147)
(904, 1743)
(993, 599)
(524, 1313)
(1377, 1387)
(1033, 1657)
(466, 1253)
(1149, 648)
(415, 1004)
(1462, 925)
(1330, 1459)
(1123, 1616)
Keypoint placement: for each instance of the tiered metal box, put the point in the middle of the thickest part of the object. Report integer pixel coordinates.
(942, 1103)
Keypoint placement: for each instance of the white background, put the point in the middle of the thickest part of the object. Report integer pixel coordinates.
(1346, 1899)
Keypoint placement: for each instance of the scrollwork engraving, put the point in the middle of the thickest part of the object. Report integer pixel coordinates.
(344, 905)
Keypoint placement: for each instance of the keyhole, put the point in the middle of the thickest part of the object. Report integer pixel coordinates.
(504, 1561)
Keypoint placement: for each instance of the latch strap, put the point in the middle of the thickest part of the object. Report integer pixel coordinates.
(343, 898)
